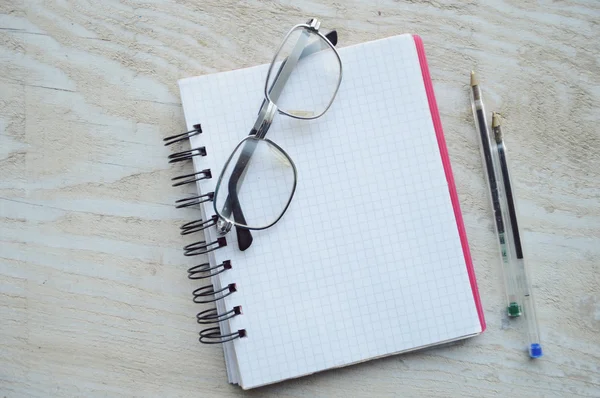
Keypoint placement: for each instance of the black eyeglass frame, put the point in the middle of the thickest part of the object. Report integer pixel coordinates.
(231, 214)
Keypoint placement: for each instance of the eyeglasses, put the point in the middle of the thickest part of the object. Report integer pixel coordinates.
(258, 180)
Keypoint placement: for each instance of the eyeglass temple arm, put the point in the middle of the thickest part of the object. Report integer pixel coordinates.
(232, 204)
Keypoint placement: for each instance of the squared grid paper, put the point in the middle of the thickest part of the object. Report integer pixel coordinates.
(367, 261)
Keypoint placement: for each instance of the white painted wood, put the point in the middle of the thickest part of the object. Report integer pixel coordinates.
(94, 296)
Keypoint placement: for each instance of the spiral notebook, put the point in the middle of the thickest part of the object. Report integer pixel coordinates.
(371, 258)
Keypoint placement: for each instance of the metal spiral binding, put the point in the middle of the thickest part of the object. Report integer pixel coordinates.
(203, 271)
(205, 294)
(197, 129)
(211, 316)
(213, 336)
(198, 225)
(190, 178)
(194, 200)
(202, 247)
(187, 155)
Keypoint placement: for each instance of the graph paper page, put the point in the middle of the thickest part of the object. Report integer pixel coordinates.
(367, 261)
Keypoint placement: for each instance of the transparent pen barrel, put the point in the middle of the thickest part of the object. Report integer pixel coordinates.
(516, 254)
(493, 179)
(529, 313)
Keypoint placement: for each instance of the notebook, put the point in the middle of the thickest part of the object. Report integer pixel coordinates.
(371, 258)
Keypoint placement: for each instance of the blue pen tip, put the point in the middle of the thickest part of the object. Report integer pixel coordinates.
(535, 350)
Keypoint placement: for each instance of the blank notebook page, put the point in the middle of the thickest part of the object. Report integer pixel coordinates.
(367, 261)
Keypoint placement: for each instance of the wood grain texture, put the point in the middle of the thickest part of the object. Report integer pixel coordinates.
(94, 295)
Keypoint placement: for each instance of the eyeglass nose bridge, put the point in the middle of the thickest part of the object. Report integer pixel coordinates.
(265, 118)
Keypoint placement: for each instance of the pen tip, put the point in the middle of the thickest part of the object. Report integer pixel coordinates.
(495, 119)
(474, 81)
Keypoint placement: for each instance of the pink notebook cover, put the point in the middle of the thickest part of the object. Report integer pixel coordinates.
(439, 132)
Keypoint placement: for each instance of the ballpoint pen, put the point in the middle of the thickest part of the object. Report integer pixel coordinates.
(493, 179)
(516, 249)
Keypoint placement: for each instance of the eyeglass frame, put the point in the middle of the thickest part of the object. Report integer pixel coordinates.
(261, 127)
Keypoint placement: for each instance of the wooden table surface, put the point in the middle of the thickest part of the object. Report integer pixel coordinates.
(94, 295)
